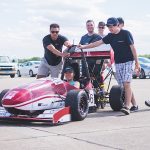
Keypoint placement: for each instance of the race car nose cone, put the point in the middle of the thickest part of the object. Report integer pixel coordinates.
(15, 97)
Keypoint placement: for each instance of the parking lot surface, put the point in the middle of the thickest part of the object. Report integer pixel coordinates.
(103, 130)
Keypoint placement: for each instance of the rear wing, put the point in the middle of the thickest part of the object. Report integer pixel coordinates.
(100, 52)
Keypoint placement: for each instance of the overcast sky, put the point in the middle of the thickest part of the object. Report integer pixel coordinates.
(25, 22)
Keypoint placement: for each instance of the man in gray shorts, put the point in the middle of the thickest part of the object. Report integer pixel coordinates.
(51, 63)
(124, 54)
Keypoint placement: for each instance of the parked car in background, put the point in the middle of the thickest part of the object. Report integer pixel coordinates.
(145, 68)
(28, 68)
(8, 66)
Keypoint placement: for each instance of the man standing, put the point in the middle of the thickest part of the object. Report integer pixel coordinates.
(52, 60)
(101, 28)
(88, 38)
(124, 54)
(121, 22)
(91, 36)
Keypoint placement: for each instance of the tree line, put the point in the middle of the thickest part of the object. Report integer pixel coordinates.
(38, 58)
(145, 55)
(29, 59)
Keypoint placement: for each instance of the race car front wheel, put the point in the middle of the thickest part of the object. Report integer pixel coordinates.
(78, 102)
(116, 97)
(2, 95)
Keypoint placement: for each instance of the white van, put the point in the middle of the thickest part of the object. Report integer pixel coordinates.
(7, 66)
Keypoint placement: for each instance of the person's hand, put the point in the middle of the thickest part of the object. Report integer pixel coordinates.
(137, 69)
(80, 46)
(65, 54)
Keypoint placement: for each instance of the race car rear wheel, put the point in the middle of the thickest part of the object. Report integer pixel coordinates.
(78, 102)
(116, 97)
(2, 95)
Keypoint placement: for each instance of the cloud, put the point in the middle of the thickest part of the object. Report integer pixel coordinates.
(148, 15)
(26, 22)
(141, 33)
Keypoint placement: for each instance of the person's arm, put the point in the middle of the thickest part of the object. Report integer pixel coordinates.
(130, 41)
(55, 51)
(137, 65)
(48, 45)
(68, 45)
(91, 45)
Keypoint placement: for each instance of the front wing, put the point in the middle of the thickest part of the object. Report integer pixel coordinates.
(54, 116)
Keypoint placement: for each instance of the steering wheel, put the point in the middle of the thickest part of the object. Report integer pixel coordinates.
(72, 49)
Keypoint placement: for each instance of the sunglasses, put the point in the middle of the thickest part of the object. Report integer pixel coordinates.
(101, 27)
(55, 32)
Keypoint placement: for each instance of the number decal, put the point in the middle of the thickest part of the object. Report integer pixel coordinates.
(91, 96)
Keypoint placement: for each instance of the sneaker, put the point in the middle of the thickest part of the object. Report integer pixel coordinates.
(125, 110)
(134, 108)
(147, 103)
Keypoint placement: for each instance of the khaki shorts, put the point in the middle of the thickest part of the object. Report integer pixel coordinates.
(45, 69)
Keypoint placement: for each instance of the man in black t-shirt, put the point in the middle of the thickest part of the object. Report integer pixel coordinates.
(51, 63)
(124, 54)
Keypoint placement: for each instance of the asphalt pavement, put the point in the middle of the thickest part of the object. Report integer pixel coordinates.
(103, 130)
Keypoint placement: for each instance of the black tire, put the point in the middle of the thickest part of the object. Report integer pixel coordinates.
(78, 102)
(116, 97)
(18, 73)
(142, 74)
(12, 75)
(31, 73)
(2, 95)
(134, 76)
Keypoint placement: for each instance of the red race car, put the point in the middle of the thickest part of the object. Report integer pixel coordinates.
(55, 100)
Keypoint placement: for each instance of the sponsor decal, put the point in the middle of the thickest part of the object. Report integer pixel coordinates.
(11, 94)
(42, 104)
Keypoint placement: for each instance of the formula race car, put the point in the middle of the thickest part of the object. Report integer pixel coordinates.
(55, 100)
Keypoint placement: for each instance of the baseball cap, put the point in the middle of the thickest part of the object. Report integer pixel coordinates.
(68, 69)
(112, 21)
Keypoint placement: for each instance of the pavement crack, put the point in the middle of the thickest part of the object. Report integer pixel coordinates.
(108, 130)
(75, 138)
(79, 139)
(94, 143)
